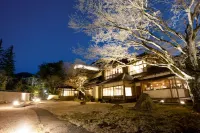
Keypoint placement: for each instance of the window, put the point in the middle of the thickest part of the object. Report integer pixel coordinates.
(68, 92)
(110, 73)
(108, 91)
(128, 91)
(157, 85)
(137, 67)
(113, 91)
(118, 90)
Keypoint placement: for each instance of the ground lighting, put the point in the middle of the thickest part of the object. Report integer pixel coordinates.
(25, 128)
(37, 100)
(182, 102)
(162, 101)
(16, 103)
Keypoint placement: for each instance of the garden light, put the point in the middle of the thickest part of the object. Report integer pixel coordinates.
(37, 100)
(16, 103)
(162, 101)
(24, 129)
(182, 102)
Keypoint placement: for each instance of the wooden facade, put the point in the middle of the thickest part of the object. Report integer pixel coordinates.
(127, 84)
(67, 93)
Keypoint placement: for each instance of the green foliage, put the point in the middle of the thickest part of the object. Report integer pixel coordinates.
(53, 74)
(7, 67)
(1, 55)
(8, 62)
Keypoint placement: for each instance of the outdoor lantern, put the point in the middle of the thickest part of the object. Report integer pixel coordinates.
(162, 101)
(182, 102)
(15, 103)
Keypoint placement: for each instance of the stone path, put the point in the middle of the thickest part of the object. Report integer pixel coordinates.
(49, 123)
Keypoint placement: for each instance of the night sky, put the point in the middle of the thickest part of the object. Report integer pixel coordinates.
(39, 31)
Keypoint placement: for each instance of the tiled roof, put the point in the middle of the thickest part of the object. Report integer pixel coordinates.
(154, 73)
(65, 86)
(120, 77)
(93, 81)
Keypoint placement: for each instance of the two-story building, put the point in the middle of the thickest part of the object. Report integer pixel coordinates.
(126, 83)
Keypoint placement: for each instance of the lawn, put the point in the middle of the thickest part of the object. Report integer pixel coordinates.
(102, 117)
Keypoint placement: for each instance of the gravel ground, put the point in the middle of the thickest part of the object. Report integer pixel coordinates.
(104, 118)
(70, 107)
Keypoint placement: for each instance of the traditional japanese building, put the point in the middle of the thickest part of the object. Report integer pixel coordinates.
(67, 92)
(126, 83)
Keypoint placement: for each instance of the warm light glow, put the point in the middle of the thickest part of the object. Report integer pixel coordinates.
(162, 101)
(128, 91)
(24, 129)
(86, 67)
(109, 73)
(36, 100)
(182, 102)
(137, 67)
(68, 92)
(108, 91)
(16, 103)
(49, 97)
(23, 96)
(52, 97)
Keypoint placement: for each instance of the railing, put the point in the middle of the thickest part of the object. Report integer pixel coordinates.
(168, 93)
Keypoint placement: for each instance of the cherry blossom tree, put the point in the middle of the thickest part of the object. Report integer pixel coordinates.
(76, 77)
(169, 31)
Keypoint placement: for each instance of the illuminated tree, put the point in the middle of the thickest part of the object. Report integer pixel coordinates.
(76, 77)
(169, 31)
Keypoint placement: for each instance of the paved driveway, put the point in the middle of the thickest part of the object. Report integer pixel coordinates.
(33, 119)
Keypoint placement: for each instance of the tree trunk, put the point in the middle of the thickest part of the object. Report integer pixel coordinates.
(195, 89)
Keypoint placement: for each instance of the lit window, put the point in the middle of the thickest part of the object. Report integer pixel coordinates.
(68, 92)
(118, 90)
(108, 91)
(113, 91)
(128, 91)
(137, 67)
(111, 72)
(157, 85)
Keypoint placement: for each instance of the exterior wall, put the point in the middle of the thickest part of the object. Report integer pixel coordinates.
(51, 97)
(112, 72)
(125, 70)
(11, 96)
(96, 93)
(137, 68)
(167, 93)
(124, 84)
(67, 98)
(167, 90)
(67, 94)
(113, 84)
(89, 92)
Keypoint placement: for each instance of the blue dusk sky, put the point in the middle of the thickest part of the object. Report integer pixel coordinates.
(39, 32)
